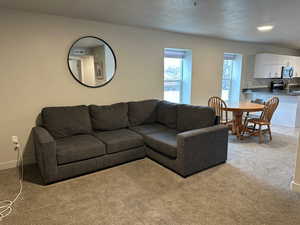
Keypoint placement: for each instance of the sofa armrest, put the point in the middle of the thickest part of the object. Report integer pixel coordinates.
(202, 148)
(45, 151)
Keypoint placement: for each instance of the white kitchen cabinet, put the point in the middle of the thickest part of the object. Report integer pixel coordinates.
(261, 70)
(272, 59)
(275, 71)
(270, 65)
(267, 66)
(286, 60)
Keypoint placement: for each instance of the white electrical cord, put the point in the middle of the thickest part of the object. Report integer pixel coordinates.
(6, 206)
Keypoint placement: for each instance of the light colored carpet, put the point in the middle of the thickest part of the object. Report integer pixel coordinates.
(251, 188)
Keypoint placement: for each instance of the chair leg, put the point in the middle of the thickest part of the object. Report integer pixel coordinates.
(246, 118)
(260, 134)
(270, 133)
(245, 127)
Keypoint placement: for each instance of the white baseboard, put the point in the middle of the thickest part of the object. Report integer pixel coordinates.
(8, 165)
(295, 186)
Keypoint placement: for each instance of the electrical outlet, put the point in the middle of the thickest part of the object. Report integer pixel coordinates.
(15, 139)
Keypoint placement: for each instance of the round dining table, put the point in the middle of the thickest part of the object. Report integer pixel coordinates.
(237, 110)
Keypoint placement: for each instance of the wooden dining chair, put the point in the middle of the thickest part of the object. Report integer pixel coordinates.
(219, 105)
(254, 115)
(264, 120)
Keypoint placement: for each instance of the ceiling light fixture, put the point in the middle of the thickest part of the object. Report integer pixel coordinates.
(265, 28)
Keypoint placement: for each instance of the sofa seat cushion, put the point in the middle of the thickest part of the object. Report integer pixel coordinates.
(164, 142)
(77, 148)
(148, 128)
(109, 117)
(67, 121)
(142, 112)
(120, 140)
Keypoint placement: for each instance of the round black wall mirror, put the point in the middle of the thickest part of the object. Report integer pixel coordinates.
(92, 62)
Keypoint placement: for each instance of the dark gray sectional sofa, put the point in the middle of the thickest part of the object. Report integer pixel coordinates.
(76, 140)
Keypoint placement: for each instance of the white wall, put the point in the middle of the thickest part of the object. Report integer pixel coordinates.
(34, 71)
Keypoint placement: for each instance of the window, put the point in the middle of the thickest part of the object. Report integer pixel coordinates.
(227, 76)
(231, 78)
(177, 75)
(173, 80)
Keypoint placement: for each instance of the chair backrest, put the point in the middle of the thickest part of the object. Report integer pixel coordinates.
(269, 109)
(218, 105)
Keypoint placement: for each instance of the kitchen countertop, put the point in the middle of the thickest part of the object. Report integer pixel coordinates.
(286, 92)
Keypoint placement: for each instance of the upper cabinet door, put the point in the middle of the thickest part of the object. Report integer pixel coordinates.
(270, 65)
(274, 71)
(271, 59)
(260, 70)
(286, 60)
(266, 66)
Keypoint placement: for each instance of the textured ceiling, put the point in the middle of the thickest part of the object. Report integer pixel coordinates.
(229, 19)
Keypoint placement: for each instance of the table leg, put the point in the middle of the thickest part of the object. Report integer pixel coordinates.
(237, 123)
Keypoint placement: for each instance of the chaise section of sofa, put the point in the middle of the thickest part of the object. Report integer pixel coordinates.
(76, 140)
(191, 142)
(192, 151)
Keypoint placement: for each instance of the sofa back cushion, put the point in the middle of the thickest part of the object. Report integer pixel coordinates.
(109, 117)
(167, 114)
(66, 121)
(142, 112)
(194, 117)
